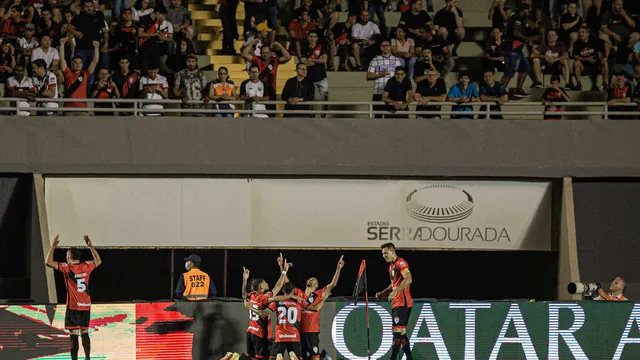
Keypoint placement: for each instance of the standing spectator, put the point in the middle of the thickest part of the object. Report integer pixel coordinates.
(492, 91)
(261, 33)
(46, 86)
(50, 56)
(255, 11)
(570, 23)
(551, 57)
(398, 92)
(267, 64)
(363, 35)
(586, 61)
(11, 22)
(299, 33)
(26, 44)
(87, 27)
(499, 14)
(178, 61)
(76, 78)
(47, 26)
(340, 44)
(377, 7)
(620, 93)
(104, 88)
(551, 97)
(155, 87)
(141, 9)
(315, 57)
(514, 59)
(381, 69)
(222, 89)
(440, 53)
(254, 89)
(21, 86)
(414, 20)
(463, 93)
(154, 34)
(431, 88)
(189, 86)
(586, 9)
(127, 82)
(617, 25)
(227, 14)
(110, 54)
(405, 50)
(448, 22)
(7, 61)
(180, 20)
(298, 89)
(493, 52)
(126, 37)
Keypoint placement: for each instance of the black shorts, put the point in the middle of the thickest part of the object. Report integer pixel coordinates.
(553, 69)
(257, 347)
(286, 347)
(310, 345)
(590, 69)
(77, 319)
(400, 316)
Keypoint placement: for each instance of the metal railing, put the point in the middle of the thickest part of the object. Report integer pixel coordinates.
(139, 107)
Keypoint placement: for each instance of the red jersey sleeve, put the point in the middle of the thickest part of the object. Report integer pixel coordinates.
(63, 268)
(315, 297)
(304, 304)
(299, 293)
(402, 266)
(262, 300)
(273, 306)
(90, 266)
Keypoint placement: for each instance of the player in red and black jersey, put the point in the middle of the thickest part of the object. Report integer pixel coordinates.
(76, 278)
(310, 322)
(400, 297)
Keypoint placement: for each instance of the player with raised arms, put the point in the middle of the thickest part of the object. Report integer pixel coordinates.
(76, 278)
(400, 297)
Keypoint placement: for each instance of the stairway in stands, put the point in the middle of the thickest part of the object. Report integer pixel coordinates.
(204, 15)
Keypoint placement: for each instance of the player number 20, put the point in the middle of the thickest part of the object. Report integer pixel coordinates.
(82, 286)
(286, 314)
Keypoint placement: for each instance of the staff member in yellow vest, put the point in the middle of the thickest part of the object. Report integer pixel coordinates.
(195, 284)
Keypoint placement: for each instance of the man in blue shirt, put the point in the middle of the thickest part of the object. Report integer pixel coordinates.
(492, 91)
(463, 93)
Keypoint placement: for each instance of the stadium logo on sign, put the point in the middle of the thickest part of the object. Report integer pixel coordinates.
(439, 204)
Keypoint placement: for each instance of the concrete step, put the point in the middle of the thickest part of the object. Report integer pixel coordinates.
(210, 36)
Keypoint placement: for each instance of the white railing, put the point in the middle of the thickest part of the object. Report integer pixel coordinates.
(136, 107)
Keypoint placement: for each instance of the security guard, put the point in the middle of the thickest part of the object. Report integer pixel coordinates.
(195, 284)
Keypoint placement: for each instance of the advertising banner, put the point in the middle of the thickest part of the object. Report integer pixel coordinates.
(302, 213)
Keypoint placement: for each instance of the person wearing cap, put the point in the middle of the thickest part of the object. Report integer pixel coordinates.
(195, 284)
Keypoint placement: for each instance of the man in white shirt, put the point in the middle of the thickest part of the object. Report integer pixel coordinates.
(49, 54)
(154, 86)
(21, 86)
(381, 69)
(46, 86)
(363, 35)
(26, 44)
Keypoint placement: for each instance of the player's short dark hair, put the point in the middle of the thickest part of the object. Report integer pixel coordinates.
(400, 68)
(77, 57)
(388, 246)
(254, 66)
(255, 284)
(462, 74)
(316, 32)
(489, 70)
(288, 288)
(39, 63)
(75, 253)
(555, 78)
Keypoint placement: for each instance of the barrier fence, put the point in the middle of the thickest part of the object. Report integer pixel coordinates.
(437, 330)
(140, 107)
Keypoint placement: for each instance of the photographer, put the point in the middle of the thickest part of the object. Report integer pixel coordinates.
(616, 288)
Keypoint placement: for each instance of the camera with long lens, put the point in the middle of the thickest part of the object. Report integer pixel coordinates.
(583, 288)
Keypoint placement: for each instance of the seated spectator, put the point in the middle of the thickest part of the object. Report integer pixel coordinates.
(405, 50)
(551, 57)
(315, 57)
(499, 14)
(178, 61)
(570, 23)
(222, 89)
(141, 9)
(381, 69)
(299, 33)
(298, 89)
(440, 53)
(21, 86)
(49, 54)
(46, 86)
(7, 61)
(26, 44)
(559, 8)
(189, 86)
(398, 92)
(104, 88)
(11, 22)
(620, 93)
(624, 59)
(424, 64)
(492, 91)
(413, 21)
(448, 22)
(551, 96)
(430, 87)
(340, 44)
(363, 36)
(47, 26)
(180, 20)
(463, 93)
(155, 87)
(76, 78)
(154, 38)
(127, 82)
(616, 24)
(586, 61)
(493, 54)
(253, 90)
(315, 14)
(126, 37)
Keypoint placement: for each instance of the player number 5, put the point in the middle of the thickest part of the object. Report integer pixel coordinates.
(82, 287)
(289, 315)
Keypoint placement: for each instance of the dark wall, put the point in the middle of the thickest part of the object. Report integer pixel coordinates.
(146, 274)
(608, 231)
(15, 201)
